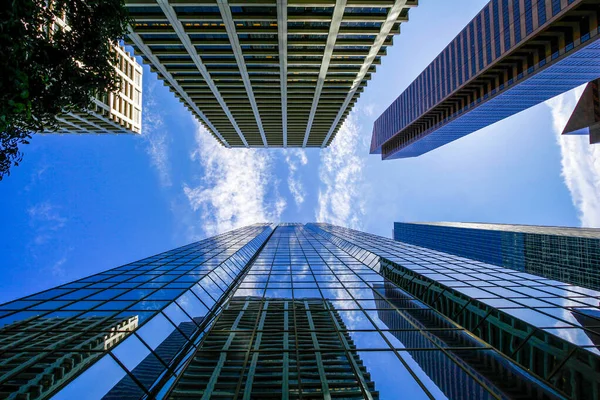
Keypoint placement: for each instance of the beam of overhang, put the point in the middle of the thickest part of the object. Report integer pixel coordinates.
(282, 32)
(87, 121)
(139, 43)
(169, 11)
(239, 56)
(336, 20)
(386, 27)
(73, 124)
(108, 121)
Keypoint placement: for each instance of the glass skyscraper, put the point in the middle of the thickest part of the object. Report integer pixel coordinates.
(294, 311)
(570, 255)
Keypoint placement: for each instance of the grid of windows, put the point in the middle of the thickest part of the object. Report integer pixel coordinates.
(293, 361)
(563, 254)
(110, 113)
(546, 326)
(293, 311)
(573, 69)
(313, 320)
(532, 42)
(101, 327)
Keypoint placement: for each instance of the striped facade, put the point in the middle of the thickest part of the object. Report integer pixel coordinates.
(489, 63)
(119, 112)
(32, 336)
(273, 73)
(222, 359)
(498, 376)
(110, 112)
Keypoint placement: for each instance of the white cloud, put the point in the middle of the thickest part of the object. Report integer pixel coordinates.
(46, 212)
(58, 268)
(48, 223)
(341, 195)
(46, 219)
(369, 110)
(36, 176)
(295, 158)
(580, 160)
(238, 187)
(155, 135)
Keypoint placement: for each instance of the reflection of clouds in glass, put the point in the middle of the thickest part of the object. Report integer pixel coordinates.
(306, 293)
(243, 292)
(575, 335)
(584, 291)
(278, 293)
(190, 304)
(375, 318)
(582, 317)
(149, 305)
(361, 294)
(368, 340)
(176, 314)
(252, 285)
(336, 294)
(355, 320)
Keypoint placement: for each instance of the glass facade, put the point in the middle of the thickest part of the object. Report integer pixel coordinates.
(547, 327)
(263, 347)
(570, 255)
(531, 55)
(311, 311)
(122, 332)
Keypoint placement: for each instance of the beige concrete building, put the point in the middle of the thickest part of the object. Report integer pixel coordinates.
(112, 112)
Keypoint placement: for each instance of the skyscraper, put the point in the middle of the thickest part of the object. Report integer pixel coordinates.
(306, 311)
(110, 112)
(301, 348)
(513, 55)
(585, 119)
(277, 73)
(570, 255)
(119, 112)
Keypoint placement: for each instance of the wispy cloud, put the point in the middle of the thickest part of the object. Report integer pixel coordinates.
(238, 187)
(369, 110)
(36, 176)
(341, 200)
(580, 160)
(45, 219)
(48, 223)
(58, 269)
(155, 135)
(295, 158)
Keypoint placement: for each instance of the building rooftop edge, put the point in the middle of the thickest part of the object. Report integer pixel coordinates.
(537, 229)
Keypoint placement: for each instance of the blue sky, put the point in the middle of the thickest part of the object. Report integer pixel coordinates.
(82, 204)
